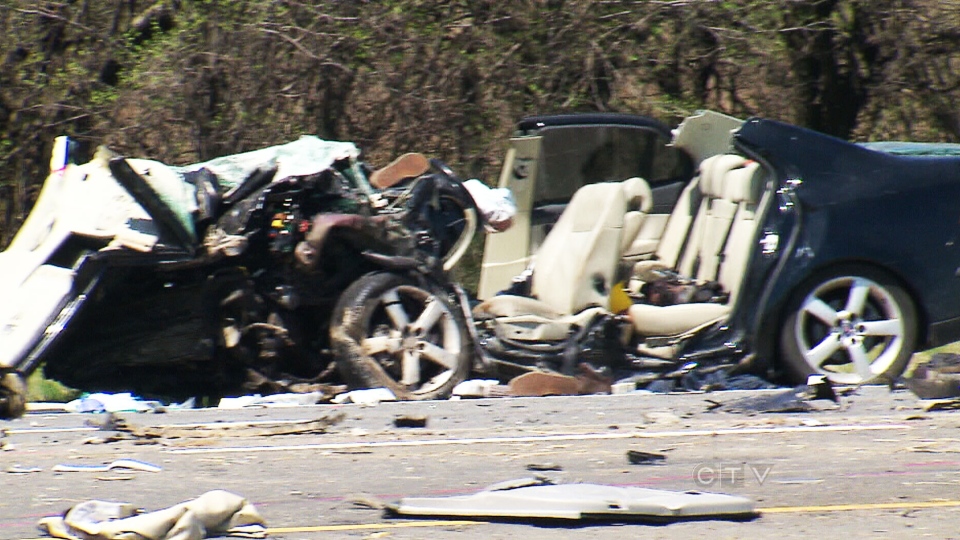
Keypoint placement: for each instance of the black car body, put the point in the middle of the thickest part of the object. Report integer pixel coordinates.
(846, 205)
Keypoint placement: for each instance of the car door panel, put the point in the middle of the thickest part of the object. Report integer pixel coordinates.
(507, 254)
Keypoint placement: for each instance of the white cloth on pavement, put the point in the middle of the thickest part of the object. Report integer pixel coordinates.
(215, 513)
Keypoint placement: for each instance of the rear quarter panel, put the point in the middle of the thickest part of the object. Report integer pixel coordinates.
(853, 205)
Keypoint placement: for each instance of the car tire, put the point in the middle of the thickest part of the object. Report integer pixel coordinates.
(388, 331)
(13, 396)
(854, 325)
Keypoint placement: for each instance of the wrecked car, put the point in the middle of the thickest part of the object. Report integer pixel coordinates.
(645, 252)
(753, 244)
(255, 272)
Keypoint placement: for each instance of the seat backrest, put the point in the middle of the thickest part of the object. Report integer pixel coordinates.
(708, 228)
(703, 252)
(745, 187)
(576, 264)
(639, 203)
(680, 244)
(679, 224)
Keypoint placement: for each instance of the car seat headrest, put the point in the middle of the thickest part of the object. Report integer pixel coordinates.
(744, 184)
(638, 194)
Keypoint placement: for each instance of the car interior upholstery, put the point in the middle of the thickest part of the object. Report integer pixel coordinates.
(708, 237)
(575, 268)
(717, 246)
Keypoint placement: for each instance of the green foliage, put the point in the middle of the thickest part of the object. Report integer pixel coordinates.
(40, 389)
(200, 79)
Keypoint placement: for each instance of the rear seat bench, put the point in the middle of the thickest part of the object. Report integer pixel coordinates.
(716, 246)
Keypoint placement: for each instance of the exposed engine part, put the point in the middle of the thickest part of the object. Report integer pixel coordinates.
(218, 242)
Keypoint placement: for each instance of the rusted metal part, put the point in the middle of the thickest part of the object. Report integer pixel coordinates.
(380, 232)
(406, 166)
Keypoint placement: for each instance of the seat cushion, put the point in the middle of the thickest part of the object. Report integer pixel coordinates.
(649, 320)
(506, 305)
(538, 328)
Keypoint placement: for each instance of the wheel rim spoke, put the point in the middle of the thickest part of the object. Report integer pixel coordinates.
(432, 311)
(379, 344)
(821, 310)
(851, 328)
(414, 337)
(823, 350)
(857, 298)
(889, 327)
(398, 316)
(860, 360)
(410, 368)
(438, 354)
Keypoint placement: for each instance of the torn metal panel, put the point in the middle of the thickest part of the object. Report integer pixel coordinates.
(162, 194)
(127, 464)
(244, 429)
(306, 156)
(581, 501)
(705, 134)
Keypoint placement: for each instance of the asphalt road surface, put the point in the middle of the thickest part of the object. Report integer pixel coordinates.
(877, 465)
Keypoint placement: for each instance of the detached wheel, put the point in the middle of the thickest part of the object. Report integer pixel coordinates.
(13, 396)
(855, 326)
(387, 331)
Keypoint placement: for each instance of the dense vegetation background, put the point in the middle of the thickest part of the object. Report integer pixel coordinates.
(188, 80)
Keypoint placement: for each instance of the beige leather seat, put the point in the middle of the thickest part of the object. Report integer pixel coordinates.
(701, 255)
(576, 265)
(639, 204)
(718, 247)
(692, 219)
